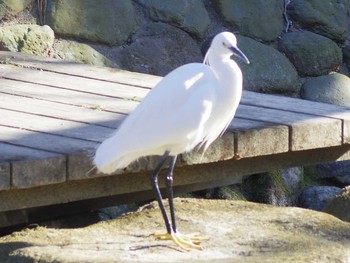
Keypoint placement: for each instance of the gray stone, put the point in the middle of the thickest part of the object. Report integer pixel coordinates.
(190, 15)
(339, 171)
(111, 22)
(158, 48)
(78, 52)
(32, 39)
(311, 54)
(339, 206)
(239, 231)
(267, 188)
(12, 7)
(327, 18)
(333, 88)
(259, 19)
(346, 56)
(315, 197)
(292, 178)
(269, 71)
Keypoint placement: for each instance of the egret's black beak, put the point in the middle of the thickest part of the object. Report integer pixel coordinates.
(237, 52)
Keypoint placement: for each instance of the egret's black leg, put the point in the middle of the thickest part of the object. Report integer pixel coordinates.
(155, 187)
(169, 185)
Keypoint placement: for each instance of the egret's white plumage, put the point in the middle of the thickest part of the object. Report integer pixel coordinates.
(191, 106)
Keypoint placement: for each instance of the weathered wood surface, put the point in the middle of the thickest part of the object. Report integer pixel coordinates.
(55, 113)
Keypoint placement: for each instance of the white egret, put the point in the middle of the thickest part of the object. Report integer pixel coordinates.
(191, 106)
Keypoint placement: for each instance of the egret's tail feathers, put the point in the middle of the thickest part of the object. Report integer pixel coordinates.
(109, 158)
(110, 166)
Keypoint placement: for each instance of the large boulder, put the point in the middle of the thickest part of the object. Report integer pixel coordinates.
(79, 52)
(316, 197)
(277, 187)
(239, 231)
(158, 48)
(32, 39)
(333, 88)
(110, 22)
(269, 71)
(259, 19)
(190, 15)
(311, 54)
(339, 206)
(327, 18)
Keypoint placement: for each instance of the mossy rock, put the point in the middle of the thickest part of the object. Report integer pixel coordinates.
(259, 19)
(310, 53)
(339, 206)
(189, 15)
(79, 52)
(12, 7)
(110, 22)
(332, 88)
(239, 231)
(328, 18)
(32, 39)
(269, 71)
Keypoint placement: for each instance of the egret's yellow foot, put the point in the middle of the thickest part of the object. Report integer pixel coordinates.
(183, 241)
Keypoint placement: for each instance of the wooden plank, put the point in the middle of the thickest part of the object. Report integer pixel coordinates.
(257, 138)
(31, 167)
(44, 141)
(301, 106)
(60, 111)
(82, 70)
(190, 177)
(5, 175)
(306, 131)
(72, 82)
(70, 97)
(54, 126)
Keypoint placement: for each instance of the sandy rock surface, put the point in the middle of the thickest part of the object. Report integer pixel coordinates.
(239, 232)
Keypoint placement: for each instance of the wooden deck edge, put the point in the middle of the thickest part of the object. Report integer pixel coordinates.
(126, 188)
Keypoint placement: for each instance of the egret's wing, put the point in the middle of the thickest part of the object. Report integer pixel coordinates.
(171, 117)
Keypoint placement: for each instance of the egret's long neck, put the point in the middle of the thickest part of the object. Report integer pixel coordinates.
(229, 76)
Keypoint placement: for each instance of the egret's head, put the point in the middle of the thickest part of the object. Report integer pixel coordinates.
(225, 44)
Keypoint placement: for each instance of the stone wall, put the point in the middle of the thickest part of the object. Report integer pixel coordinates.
(293, 45)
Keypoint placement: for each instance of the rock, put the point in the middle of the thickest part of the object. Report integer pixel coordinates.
(111, 22)
(269, 71)
(329, 18)
(315, 197)
(339, 206)
(78, 52)
(190, 15)
(239, 231)
(311, 54)
(292, 178)
(12, 7)
(346, 56)
(158, 48)
(268, 188)
(32, 39)
(332, 88)
(339, 171)
(260, 19)
(230, 192)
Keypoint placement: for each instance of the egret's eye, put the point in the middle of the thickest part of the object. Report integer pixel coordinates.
(224, 44)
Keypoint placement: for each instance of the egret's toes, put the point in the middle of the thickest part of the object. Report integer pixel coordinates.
(185, 242)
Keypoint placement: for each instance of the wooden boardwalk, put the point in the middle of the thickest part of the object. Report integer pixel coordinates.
(53, 114)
